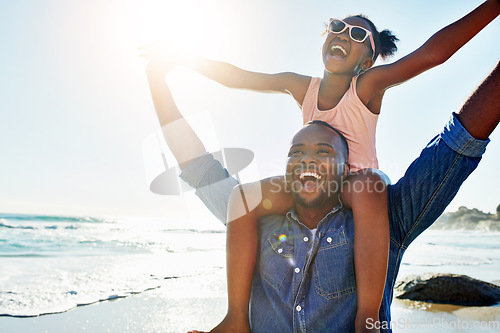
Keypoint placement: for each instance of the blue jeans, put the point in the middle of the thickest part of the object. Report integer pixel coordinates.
(415, 202)
(423, 193)
(212, 183)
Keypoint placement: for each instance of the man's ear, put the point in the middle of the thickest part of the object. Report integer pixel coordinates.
(347, 169)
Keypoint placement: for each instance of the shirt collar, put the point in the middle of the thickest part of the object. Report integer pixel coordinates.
(292, 213)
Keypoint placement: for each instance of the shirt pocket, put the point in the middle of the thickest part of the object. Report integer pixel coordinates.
(276, 260)
(334, 265)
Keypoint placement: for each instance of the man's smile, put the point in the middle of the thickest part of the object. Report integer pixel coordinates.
(310, 180)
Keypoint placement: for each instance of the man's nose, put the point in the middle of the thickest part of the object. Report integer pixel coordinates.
(309, 158)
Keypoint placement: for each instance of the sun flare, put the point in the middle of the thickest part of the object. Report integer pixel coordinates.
(172, 22)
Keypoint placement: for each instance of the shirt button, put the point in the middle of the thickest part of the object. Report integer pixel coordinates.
(298, 308)
(280, 250)
(329, 239)
(306, 239)
(297, 270)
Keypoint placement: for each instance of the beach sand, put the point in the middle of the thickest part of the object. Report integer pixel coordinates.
(181, 304)
(199, 302)
(413, 316)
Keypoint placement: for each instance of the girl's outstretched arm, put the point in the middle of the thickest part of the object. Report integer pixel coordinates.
(233, 77)
(435, 51)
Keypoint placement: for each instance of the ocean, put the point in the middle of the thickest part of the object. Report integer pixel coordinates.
(51, 264)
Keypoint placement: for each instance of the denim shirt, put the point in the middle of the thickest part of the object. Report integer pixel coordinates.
(294, 291)
(305, 283)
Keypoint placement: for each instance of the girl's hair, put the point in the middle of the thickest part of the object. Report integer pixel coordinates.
(385, 41)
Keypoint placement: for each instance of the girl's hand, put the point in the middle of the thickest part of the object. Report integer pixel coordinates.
(163, 58)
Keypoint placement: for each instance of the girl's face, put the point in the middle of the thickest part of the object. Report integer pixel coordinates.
(341, 54)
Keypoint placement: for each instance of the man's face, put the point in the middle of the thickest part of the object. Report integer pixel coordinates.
(316, 166)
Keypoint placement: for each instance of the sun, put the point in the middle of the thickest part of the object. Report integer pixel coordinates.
(173, 22)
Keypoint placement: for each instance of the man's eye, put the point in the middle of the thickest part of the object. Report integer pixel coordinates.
(323, 152)
(295, 153)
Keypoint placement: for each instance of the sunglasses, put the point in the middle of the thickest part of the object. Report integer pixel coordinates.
(357, 33)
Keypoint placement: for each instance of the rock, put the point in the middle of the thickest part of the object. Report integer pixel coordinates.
(468, 219)
(447, 289)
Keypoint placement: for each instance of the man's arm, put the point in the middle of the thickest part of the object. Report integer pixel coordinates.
(434, 178)
(480, 114)
(241, 256)
(435, 51)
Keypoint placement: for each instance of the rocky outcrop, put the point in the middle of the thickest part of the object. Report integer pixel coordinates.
(447, 289)
(468, 219)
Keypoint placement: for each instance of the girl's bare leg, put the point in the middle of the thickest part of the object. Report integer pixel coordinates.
(366, 193)
(181, 139)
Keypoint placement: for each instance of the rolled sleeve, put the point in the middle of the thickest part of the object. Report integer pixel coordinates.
(458, 139)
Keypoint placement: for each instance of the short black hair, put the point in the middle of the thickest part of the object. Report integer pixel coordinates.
(342, 137)
(385, 40)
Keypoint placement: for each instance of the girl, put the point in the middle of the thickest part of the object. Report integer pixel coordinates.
(348, 97)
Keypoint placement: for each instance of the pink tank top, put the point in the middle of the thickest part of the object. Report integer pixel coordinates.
(352, 118)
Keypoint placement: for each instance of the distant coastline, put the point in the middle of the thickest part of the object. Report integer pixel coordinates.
(468, 219)
(463, 219)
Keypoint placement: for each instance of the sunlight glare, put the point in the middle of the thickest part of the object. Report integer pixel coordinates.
(174, 23)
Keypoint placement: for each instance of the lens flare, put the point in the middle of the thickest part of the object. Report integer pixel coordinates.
(282, 238)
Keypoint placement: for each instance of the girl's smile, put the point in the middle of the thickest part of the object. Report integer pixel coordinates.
(339, 47)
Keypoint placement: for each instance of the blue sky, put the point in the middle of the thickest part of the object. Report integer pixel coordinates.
(76, 115)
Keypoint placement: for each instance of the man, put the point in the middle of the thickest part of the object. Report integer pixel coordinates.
(304, 279)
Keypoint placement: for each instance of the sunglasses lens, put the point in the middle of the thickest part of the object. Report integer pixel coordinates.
(337, 26)
(358, 34)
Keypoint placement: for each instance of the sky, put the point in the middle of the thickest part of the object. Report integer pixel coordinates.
(78, 131)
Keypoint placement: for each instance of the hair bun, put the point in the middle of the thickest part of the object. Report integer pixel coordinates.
(387, 43)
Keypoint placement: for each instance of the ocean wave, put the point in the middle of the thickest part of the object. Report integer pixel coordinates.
(194, 231)
(54, 265)
(54, 218)
(10, 226)
(451, 262)
(63, 306)
(25, 255)
(22, 305)
(35, 222)
(7, 225)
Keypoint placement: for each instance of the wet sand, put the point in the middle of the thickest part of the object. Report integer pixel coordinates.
(199, 302)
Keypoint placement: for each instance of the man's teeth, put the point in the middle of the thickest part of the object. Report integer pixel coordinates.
(338, 47)
(310, 174)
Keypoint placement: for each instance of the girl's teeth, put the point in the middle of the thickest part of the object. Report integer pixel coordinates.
(338, 47)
